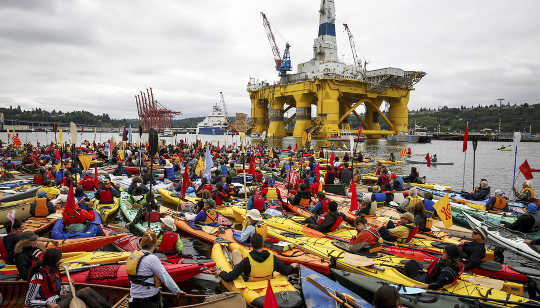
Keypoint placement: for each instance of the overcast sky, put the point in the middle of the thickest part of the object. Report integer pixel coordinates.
(95, 55)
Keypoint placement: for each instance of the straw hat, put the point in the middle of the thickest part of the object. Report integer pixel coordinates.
(254, 214)
(169, 222)
(168, 164)
(408, 216)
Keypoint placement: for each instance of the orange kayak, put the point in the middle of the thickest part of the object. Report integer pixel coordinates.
(84, 244)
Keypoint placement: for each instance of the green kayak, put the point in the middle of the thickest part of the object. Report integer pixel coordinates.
(492, 218)
(129, 213)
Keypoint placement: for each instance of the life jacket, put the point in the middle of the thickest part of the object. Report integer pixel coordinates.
(51, 283)
(261, 270)
(499, 205)
(170, 173)
(380, 198)
(168, 243)
(41, 209)
(531, 193)
(105, 196)
(271, 194)
(220, 197)
(132, 266)
(38, 179)
(414, 200)
(456, 275)
(372, 238)
(258, 203)
(208, 187)
(211, 216)
(336, 224)
(325, 203)
(87, 183)
(305, 202)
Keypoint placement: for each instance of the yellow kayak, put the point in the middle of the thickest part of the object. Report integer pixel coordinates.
(107, 210)
(255, 291)
(389, 162)
(433, 186)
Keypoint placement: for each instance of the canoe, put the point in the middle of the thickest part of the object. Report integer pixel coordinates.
(94, 229)
(254, 292)
(107, 210)
(367, 286)
(315, 298)
(386, 268)
(25, 194)
(436, 163)
(513, 244)
(14, 292)
(129, 214)
(22, 211)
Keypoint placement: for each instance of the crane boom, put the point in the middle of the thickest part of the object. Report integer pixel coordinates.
(272, 40)
(353, 46)
(222, 99)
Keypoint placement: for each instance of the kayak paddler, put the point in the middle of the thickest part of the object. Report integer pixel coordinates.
(106, 193)
(367, 236)
(392, 233)
(479, 193)
(271, 193)
(526, 194)
(146, 274)
(498, 203)
(321, 207)
(168, 241)
(527, 222)
(327, 222)
(259, 265)
(472, 252)
(253, 219)
(446, 270)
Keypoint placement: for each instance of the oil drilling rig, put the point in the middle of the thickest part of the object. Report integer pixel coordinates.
(151, 113)
(334, 88)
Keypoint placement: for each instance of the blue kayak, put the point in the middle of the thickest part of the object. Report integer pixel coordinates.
(315, 298)
(94, 229)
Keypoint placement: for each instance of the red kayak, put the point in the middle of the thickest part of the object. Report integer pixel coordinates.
(116, 275)
(487, 268)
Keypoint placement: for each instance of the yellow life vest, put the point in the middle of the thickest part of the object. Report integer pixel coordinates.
(271, 194)
(132, 266)
(531, 192)
(261, 270)
(413, 200)
(41, 209)
(211, 216)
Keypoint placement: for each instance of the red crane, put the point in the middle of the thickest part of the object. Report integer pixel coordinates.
(151, 113)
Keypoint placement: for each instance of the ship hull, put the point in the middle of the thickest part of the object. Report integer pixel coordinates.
(212, 131)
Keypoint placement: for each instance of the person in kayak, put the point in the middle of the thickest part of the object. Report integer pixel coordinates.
(106, 193)
(220, 195)
(378, 197)
(259, 265)
(479, 193)
(497, 203)
(396, 183)
(527, 222)
(367, 236)
(207, 216)
(526, 194)
(270, 192)
(412, 177)
(321, 207)
(168, 241)
(75, 217)
(302, 197)
(26, 252)
(253, 218)
(328, 222)
(472, 252)
(146, 273)
(446, 270)
(392, 233)
(411, 200)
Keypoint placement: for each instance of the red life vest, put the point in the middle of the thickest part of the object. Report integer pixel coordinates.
(258, 203)
(325, 203)
(50, 284)
(168, 243)
(208, 187)
(105, 196)
(220, 197)
(3, 251)
(38, 179)
(336, 224)
(87, 183)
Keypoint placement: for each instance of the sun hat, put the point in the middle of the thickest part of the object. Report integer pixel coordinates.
(254, 214)
(169, 222)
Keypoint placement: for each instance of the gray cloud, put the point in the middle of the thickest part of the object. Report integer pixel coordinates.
(81, 55)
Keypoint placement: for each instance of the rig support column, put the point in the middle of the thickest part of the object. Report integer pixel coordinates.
(276, 129)
(303, 113)
(328, 110)
(259, 114)
(399, 113)
(372, 117)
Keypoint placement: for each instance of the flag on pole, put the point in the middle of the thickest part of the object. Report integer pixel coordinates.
(208, 164)
(444, 211)
(185, 182)
(332, 158)
(465, 137)
(354, 198)
(428, 159)
(359, 131)
(200, 167)
(252, 165)
(96, 182)
(130, 135)
(61, 137)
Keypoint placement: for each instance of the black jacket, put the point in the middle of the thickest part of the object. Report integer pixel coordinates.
(302, 194)
(345, 176)
(473, 252)
(442, 274)
(327, 223)
(244, 267)
(525, 223)
(24, 255)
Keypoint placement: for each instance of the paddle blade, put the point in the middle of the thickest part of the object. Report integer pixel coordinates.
(270, 299)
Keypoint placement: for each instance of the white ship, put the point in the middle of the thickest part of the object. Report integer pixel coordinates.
(215, 123)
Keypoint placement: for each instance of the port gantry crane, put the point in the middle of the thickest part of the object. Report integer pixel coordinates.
(282, 64)
(357, 62)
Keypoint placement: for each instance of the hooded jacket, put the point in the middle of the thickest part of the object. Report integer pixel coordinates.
(244, 267)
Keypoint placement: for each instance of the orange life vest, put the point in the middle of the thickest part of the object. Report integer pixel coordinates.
(41, 209)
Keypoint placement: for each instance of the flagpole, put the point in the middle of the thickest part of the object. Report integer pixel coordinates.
(464, 162)
(465, 140)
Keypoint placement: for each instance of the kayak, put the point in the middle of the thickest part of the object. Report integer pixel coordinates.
(16, 183)
(504, 150)
(419, 298)
(22, 211)
(107, 210)
(39, 224)
(94, 229)
(316, 298)
(432, 186)
(24, 194)
(129, 212)
(254, 291)
(513, 244)
(389, 162)
(84, 244)
(436, 163)
(116, 274)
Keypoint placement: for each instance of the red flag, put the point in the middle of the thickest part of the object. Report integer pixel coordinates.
(296, 147)
(332, 158)
(428, 159)
(146, 147)
(185, 182)
(403, 152)
(57, 154)
(252, 165)
(354, 197)
(71, 196)
(526, 170)
(465, 137)
(317, 173)
(359, 131)
(260, 149)
(270, 299)
(96, 182)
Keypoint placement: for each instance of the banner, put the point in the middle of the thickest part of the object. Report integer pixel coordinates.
(444, 210)
(86, 160)
(73, 131)
(61, 137)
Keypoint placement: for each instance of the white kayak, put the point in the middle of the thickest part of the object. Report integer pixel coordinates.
(511, 243)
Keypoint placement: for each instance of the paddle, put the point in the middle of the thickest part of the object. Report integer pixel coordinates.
(75, 301)
(118, 228)
(348, 304)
